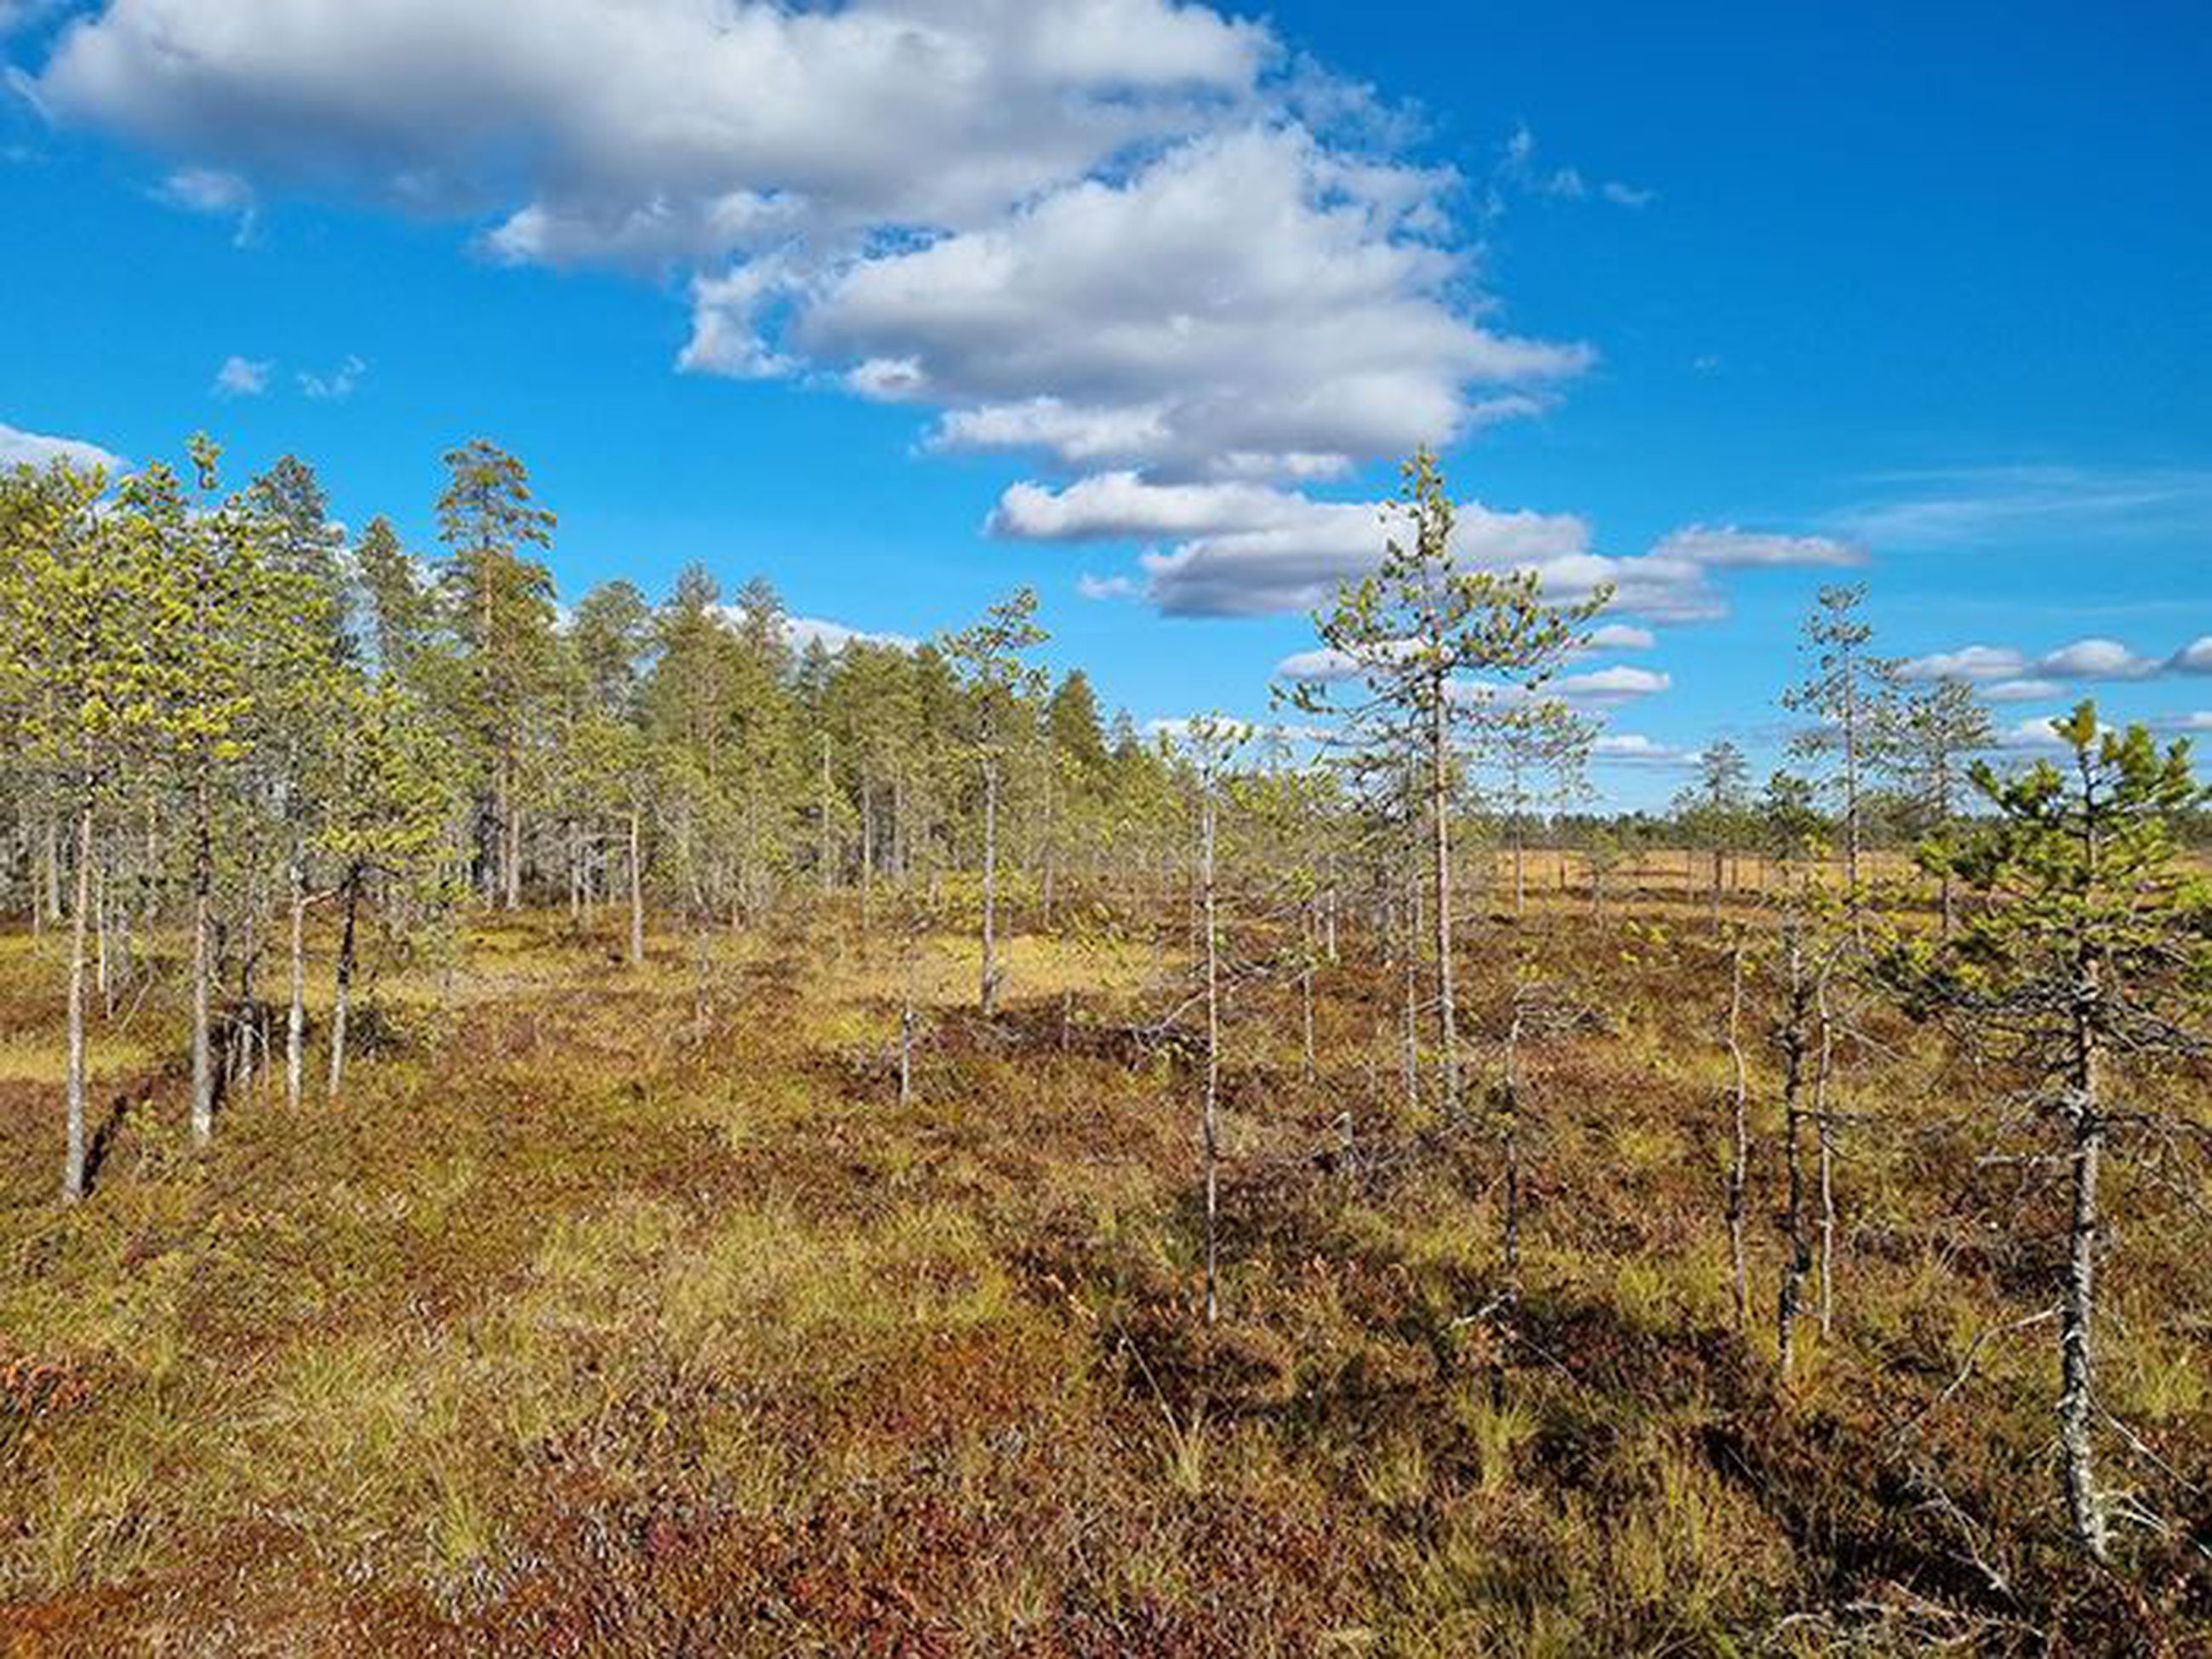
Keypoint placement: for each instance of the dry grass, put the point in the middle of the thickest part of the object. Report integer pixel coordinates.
(587, 1324)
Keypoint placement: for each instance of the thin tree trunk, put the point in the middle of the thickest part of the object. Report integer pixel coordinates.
(1739, 1170)
(1509, 1103)
(1824, 1126)
(53, 869)
(1798, 1244)
(73, 1170)
(1211, 1127)
(822, 855)
(203, 969)
(2085, 1503)
(295, 1018)
(637, 889)
(1440, 811)
(341, 1002)
(989, 997)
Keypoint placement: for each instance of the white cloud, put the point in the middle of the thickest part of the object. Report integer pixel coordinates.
(1628, 196)
(2196, 720)
(2195, 657)
(2025, 690)
(1621, 636)
(2096, 659)
(21, 448)
(800, 632)
(2034, 733)
(1632, 748)
(1724, 547)
(1245, 302)
(1974, 663)
(1246, 549)
(835, 637)
(1105, 588)
(216, 192)
(1112, 234)
(242, 377)
(1123, 506)
(1605, 687)
(2011, 676)
(336, 386)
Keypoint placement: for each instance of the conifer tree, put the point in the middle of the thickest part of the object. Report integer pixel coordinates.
(2087, 959)
(989, 658)
(1426, 640)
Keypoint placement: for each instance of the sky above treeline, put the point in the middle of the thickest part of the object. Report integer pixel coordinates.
(902, 302)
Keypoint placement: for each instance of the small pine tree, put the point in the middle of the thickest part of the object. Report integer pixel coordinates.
(2091, 949)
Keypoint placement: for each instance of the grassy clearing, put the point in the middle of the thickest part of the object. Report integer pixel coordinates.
(622, 1311)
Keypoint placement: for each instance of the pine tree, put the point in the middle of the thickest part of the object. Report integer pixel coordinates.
(502, 612)
(75, 659)
(2090, 953)
(1411, 634)
(989, 657)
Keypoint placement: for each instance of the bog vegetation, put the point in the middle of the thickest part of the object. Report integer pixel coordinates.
(612, 1129)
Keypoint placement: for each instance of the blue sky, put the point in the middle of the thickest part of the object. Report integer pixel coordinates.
(903, 302)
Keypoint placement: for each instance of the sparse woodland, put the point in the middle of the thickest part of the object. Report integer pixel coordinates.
(544, 1124)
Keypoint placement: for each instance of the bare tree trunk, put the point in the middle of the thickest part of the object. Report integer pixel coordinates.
(52, 903)
(2085, 1503)
(100, 910)
(1824, 1124)
(636, 888)
(295, 1018)
(1739, 1170)
(1440, 811)
(73, 1170)
(203, 967)
(1509, 1102)
(1409, 952)
(989, 999)
(822, 854)
(1798, 1244)
(341, 1002)
(1211, 1124)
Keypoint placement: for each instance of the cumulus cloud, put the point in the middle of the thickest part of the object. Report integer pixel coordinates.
(21, 448)
(1974, 663)
(2096, 659)
(1248, 550)
(1103, 230)
(2195, 657)
(242, 377)
(1121, 236)
(2009, 675)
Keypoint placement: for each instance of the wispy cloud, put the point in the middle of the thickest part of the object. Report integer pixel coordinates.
(242, 377)
(1998, 506)
(337, 384)
(217, 194)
